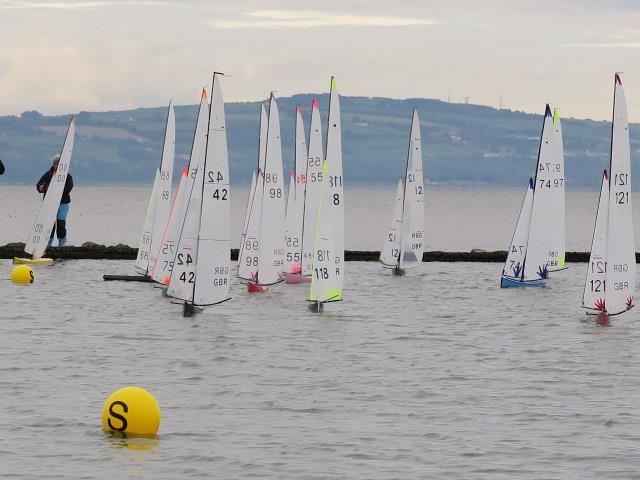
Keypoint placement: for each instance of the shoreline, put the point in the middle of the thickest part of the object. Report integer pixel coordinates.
(94, 251)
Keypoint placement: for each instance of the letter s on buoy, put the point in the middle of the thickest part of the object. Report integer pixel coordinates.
(31, 277)
(118, 416)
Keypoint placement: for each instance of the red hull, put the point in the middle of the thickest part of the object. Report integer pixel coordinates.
(254, 288)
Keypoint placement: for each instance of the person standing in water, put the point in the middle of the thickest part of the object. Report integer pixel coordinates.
(1, 167)
(61, 218)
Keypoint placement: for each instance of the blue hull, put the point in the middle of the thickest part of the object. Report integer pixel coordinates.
(508, 283)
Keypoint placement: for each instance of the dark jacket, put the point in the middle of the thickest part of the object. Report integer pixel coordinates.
(68, 186)
(1, 167)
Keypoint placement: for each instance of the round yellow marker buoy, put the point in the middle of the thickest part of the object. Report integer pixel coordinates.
(131, 411)
(23, 275)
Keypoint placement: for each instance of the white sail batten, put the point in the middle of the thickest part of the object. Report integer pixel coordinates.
(620, 258)
(513, 267)
(390, 251)
(313, 182)
(593, 297)
(335, 187)
(212, 268)
(248, 257)
(271, 248)
(168, 247)
(38, 238)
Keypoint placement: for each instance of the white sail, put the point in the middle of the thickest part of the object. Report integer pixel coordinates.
(213, 252)
(325, 286)
(313, 182)
(271, 248)
(335, 187)
(545, 204)
(390, 251)
(159, 202)
(183, 274)
(163, 194)
(412, 246)
(247, 212)
(144, 247)
(289, 227)
(168, 247)
(594, 286)
(38, 238)
(248, 257)
(557, 240)
(164, 263)
(621, 260)
(295, 215)
(513, 267)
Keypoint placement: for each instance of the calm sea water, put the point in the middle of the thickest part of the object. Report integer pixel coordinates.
(438, 374)
(455, 220)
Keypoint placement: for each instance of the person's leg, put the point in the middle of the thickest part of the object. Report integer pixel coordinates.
(53, 232)
(61, 224)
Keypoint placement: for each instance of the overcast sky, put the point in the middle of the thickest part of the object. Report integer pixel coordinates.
(72, 55)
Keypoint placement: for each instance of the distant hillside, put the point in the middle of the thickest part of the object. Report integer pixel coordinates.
(461, 143)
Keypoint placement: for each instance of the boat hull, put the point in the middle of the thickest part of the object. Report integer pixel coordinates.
(509, 283)
(32, 261)
(127, 278)
(295, 278)
(255, 288)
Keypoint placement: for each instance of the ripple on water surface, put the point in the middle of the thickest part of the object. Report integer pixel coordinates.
(438, 374)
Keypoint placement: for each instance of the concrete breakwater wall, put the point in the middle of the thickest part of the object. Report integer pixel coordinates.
(94, 251)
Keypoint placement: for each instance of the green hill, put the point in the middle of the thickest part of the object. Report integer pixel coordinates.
(461, 143)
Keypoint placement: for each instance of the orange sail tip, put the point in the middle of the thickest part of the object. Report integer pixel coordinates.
(205, 95)
(185, 171)
(314, 104)
(165, 281)
(618, 79)
(298, 109)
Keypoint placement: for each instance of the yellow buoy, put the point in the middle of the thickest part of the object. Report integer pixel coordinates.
(23, 275)
(131, 411)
